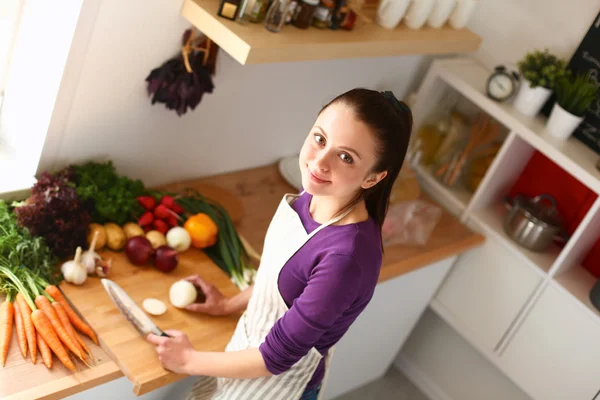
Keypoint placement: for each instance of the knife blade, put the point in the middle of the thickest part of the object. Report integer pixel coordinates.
(138, 318)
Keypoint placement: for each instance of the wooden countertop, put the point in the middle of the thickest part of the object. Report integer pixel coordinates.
(260, 190)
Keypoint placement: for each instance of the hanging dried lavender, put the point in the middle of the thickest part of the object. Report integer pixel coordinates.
(181, 82)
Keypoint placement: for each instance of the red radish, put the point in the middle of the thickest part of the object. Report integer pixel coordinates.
(177, 208)
(172, 220)
(146, 219)
(139, 250)
(161, 211)
(166, 259)
(161, 226)
(148, 202)
(167, 201)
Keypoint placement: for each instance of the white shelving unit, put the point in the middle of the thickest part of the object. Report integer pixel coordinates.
(558, 269)
(490, 221)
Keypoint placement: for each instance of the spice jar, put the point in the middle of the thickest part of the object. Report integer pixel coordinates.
(259, 11)
(276, 15)
(323, 14)
(304, 13)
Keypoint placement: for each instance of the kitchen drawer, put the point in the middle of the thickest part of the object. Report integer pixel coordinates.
(484, 292)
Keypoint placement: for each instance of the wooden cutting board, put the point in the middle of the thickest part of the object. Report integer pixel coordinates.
(134, 355)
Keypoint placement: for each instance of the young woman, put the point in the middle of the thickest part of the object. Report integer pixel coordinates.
(320, 263)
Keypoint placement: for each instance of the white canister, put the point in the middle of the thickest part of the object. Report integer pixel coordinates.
(418, 12)
(529, 101)
(462, 13)
(562, 123)
(440, 13)
(390, 12)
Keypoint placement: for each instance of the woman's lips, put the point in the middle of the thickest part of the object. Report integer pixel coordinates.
(316, 179)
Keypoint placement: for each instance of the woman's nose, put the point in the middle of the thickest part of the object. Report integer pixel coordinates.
(321, 162)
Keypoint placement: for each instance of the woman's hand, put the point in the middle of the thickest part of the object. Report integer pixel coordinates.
(175, 353)
(215, 304)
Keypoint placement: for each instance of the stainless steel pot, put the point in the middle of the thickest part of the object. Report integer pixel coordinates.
(533, 223)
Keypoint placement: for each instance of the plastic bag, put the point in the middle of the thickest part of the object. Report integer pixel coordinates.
(410, 223)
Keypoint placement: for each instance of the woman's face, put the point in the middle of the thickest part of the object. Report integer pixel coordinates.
(339, 154)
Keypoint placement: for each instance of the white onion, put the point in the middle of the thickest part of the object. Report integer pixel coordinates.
(182, 294)
(179, 239)
(154, 306)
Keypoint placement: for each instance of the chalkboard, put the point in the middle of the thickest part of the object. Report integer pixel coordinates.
(587, 60)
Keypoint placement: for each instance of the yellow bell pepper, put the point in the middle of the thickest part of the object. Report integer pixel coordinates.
(202, 230)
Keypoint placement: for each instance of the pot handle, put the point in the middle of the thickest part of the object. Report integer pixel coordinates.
(562, 237)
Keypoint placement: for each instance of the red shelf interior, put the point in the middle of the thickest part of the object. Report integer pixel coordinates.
(573, 198)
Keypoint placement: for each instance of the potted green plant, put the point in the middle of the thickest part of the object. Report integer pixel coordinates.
(540, 71)
(573, 98)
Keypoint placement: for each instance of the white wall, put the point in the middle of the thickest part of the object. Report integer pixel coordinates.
(256, 114)
(510, 28)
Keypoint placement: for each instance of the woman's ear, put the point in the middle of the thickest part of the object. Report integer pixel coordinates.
(373, 179)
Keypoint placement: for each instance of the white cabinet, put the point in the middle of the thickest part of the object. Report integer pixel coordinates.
(556, 352)
(371, 344)
(484, 292)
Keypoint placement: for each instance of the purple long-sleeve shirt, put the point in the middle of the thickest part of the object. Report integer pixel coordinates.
(326, 285)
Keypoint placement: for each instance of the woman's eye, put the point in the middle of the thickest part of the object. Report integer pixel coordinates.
(319, 139)
(346, 158)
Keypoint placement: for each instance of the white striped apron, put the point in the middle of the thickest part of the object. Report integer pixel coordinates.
(285, 236)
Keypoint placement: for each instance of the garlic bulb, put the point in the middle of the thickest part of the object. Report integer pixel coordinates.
(93, 262)
(73, 271)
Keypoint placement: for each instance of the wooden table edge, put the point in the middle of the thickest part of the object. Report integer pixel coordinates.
(394, 270)
(63, 387)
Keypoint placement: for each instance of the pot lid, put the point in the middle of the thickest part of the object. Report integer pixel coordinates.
(540, 209)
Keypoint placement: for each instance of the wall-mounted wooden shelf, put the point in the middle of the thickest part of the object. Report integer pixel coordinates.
(253, 44)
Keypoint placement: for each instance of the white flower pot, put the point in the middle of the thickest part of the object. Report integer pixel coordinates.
(562, 123)
(530, 101)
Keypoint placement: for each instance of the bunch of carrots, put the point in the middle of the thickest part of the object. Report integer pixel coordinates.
(43, 318)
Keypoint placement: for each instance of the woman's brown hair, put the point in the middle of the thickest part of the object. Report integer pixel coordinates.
(390, 120)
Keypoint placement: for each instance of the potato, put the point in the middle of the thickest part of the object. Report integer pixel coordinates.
(115, 237)
(132, 229)
(156, 238)
(101, 241)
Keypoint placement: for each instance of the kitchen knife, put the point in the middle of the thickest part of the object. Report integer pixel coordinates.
(130, 310)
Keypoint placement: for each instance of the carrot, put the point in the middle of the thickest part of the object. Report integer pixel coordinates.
(21, 336)
(64, 319)
(75, 320)
(7, 312)
(44, 350)
(29, 328)
(44, 327)
(44, 304)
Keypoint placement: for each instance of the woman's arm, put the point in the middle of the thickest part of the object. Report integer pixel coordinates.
(239, 302)
(216, 303)
(177, 354)
(232, 364)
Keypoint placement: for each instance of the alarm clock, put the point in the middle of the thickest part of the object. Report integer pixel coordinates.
(501, 85)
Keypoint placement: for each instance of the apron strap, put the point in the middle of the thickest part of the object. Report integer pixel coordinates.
(331, 221)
